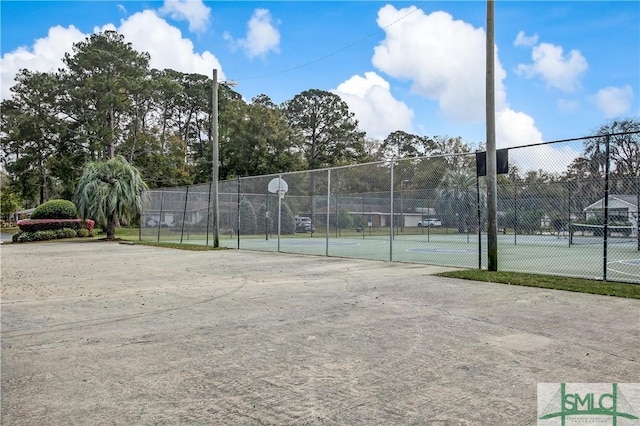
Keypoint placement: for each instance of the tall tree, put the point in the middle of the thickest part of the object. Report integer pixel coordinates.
(624, 147)
(110, 191)
(401, 144)
(102, 76)
(324, 129)
(259, 143)
(31, 131)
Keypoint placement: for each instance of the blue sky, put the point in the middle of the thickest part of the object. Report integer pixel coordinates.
(564, 68)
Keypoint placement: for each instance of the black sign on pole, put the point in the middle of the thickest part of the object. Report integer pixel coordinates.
(502, 162)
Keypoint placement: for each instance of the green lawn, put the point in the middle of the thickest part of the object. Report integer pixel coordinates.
(581, 285)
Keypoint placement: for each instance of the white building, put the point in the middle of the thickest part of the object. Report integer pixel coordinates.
(621, 208)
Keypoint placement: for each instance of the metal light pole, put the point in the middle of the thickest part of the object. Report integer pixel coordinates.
(215, 166)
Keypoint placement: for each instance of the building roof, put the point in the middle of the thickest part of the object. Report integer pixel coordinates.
(628, 200)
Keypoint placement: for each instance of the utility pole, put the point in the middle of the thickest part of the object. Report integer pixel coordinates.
(215, 166)
(492, 226)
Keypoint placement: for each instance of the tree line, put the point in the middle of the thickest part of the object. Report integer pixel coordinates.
(108, 102)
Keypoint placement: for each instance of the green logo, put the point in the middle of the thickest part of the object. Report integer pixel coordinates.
(590, 404)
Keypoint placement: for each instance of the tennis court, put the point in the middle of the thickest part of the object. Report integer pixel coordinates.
(550, 254)
(540, 201)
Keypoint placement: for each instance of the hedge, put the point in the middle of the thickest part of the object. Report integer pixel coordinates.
(34, 225)
(55, 209)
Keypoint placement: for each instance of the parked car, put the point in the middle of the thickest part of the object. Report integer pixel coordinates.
(430, 222)
(303, 224)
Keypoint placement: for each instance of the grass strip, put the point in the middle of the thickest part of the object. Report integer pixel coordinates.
(189, 247)
(580, 285)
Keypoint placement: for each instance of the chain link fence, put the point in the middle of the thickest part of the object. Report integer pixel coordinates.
(557, 213)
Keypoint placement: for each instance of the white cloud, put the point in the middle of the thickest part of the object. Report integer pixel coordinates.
(192, 11)
(515, 129)
(614, 101)
(444, 58)
(523, 40)
(262, 35)
(147, 32)
(556, 69)
(375, 108)
(45, 55)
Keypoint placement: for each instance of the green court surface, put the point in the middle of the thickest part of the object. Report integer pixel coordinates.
(542, 254)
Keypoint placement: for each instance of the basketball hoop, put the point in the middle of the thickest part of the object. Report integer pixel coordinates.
(278, 186)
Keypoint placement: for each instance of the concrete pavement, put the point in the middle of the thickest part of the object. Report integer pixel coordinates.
(105, 333)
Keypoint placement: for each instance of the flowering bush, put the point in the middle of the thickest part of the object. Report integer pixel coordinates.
(51, 229)
(34, 225)
(89, 225)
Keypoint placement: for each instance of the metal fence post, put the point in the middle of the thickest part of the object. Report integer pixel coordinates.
(606, 210)
(279, 210)
(328, 212)
(266, 220)
(479, 222)
(637, 208)
(569, 224)
(208, 214)
(515, 213)
(160, 217)
(238, 231)
(184, 213)
(391, 216)
(364, 221)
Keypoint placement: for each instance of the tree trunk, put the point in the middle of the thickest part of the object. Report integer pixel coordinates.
(111, 228)
(111, 147)
(44, 196)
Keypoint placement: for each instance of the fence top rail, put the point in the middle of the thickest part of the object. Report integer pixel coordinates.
(576, 139)
(390, 160)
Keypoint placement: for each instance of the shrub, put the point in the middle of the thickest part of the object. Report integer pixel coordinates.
(48, 234)
(45, 235)
(55, 209)
(33, 225)
(25, 237)
(66, 233)
(82, 232)
(88, 224)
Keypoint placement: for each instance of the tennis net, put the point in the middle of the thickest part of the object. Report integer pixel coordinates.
(594, 234)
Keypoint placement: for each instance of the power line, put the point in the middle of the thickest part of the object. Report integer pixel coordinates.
(333, 53)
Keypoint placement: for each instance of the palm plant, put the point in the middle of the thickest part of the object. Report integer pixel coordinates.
(110, 191)
(457, 193)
